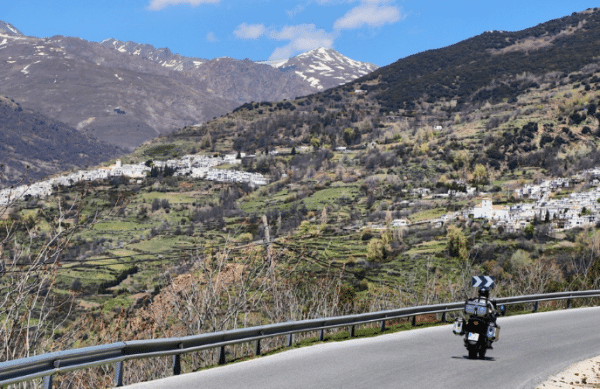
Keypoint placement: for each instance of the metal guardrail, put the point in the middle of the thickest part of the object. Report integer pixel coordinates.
(47, 365)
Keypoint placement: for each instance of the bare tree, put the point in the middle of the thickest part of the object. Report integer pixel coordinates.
(31, 311)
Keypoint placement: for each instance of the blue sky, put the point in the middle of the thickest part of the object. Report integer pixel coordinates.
(377, 31)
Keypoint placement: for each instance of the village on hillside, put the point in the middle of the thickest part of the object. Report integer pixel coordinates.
(195, 166)
(578, 209)
(541, 202)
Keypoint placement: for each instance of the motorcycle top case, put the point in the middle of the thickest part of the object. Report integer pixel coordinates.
(476, 308)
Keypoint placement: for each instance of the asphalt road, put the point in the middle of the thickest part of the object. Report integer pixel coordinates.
(531, 348)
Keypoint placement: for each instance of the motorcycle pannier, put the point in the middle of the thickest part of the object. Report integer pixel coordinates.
(493, 332)
(458, 329)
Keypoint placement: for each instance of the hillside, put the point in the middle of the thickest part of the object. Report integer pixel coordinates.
(33, 146)
(493, 66)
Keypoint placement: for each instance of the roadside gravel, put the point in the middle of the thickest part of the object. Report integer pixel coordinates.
(585, 374)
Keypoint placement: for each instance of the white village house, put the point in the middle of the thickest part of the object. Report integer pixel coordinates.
(487, 210)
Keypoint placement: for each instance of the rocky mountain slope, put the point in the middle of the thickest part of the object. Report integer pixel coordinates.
(493, 66)
(127, 99)
(120, 99)
(239, 81)
(325, 68)
(33, 146)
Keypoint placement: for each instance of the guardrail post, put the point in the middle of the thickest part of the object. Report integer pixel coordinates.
(321, 334)
(382, 326)
(48, 382)
(290, 340)
(176, 364)
(568, 303)
(222, 355)
(351, 330)
(257, 347)
(535, 306)
(119, 374)
(414, 321)
(443, 317)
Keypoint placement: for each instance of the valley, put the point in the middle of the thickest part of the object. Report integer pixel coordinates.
(387, 191)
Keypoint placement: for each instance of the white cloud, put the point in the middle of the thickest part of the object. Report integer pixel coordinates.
(211, 37)
(157, 5)
(249, 31)
(302, 37)
(371, 13)
(297, 9)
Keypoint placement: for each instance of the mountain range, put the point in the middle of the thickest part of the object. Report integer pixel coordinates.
(508, 96)
(125, 93)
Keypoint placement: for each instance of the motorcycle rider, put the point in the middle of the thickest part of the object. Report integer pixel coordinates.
(483, 296)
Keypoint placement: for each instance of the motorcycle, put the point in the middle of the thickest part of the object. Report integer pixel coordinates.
(479, 329)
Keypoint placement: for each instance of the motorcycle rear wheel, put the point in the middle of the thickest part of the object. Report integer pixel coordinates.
(482, 352)
(472, 353)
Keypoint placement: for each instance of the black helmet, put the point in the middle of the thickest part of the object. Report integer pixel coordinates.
(484, 292)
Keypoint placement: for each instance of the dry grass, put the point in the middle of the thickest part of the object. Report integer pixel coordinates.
(532, 44)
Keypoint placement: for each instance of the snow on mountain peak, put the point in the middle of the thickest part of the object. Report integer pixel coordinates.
(9, 29)
(324, 68)
(162, 56)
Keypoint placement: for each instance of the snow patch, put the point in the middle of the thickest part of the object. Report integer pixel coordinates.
(322, 51)
(315, 83)
(301, 75)
(321, 66)
(25, 70)
(12, 29)
(13, 37)
(85, 123)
